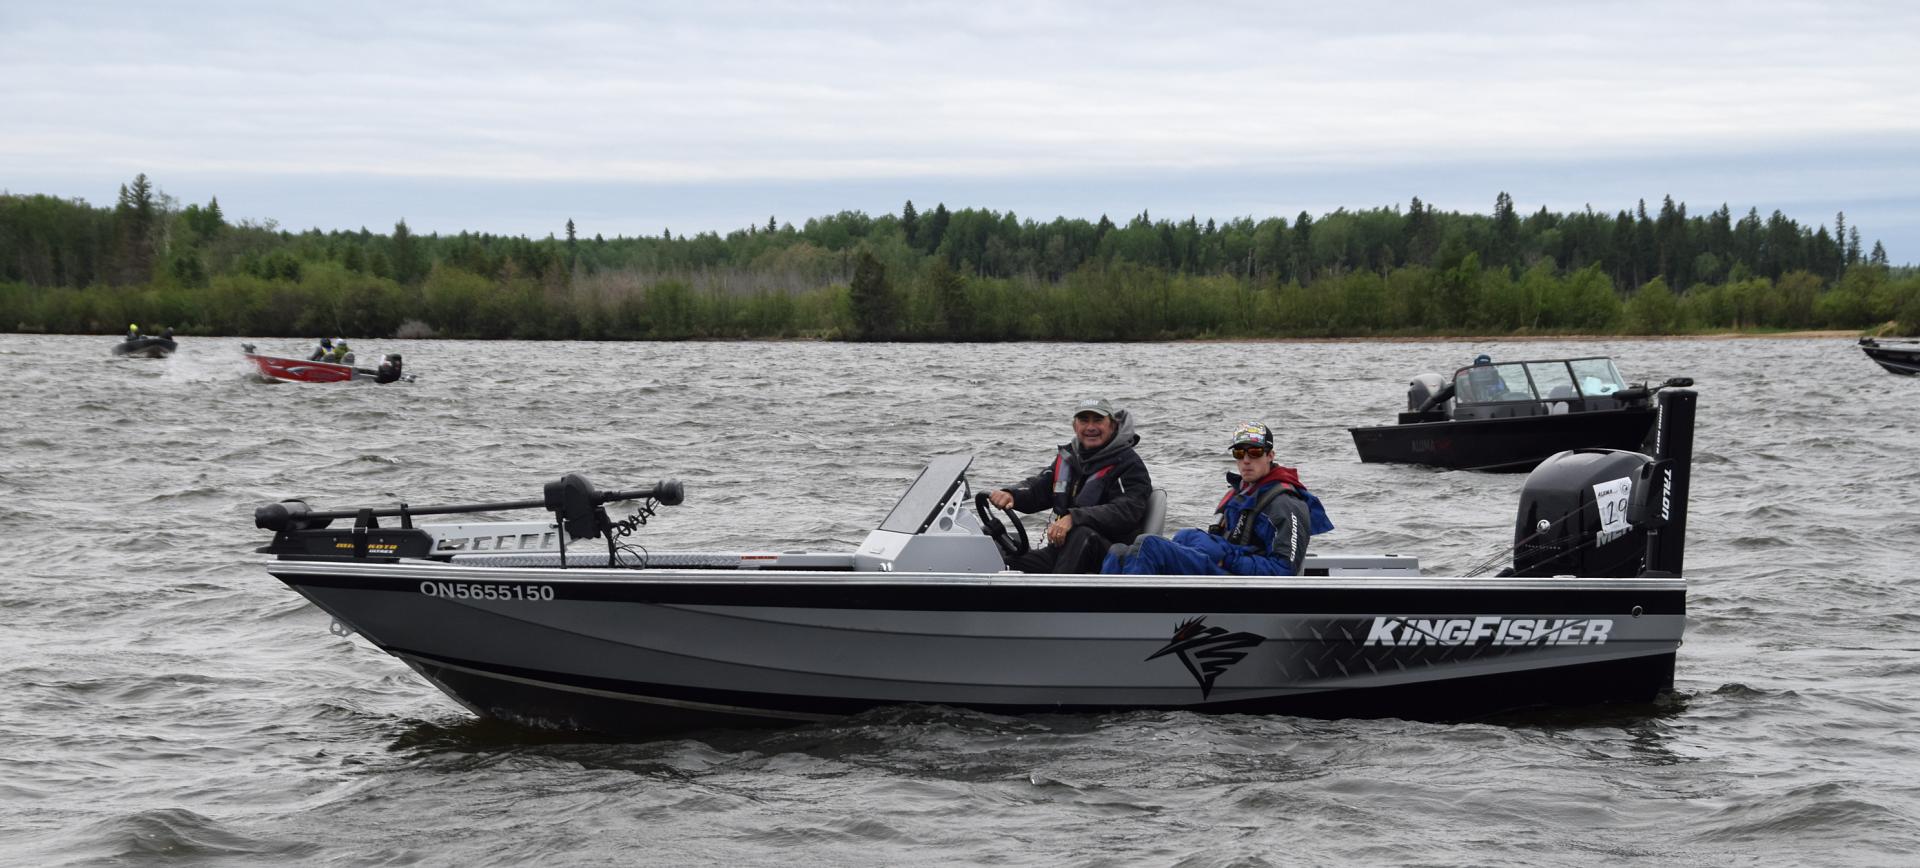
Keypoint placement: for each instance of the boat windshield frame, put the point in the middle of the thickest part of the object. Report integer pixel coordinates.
(1537, 380)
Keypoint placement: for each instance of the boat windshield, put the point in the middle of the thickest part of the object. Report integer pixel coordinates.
(1481, 384)
(1550, 380)
(1597, 376)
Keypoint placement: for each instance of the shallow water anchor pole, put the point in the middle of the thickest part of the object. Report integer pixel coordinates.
(1673, 452)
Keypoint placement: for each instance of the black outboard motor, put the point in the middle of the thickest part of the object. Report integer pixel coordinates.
(1577, 515)
(1610, 513)
(389, 369)
(1428, 399)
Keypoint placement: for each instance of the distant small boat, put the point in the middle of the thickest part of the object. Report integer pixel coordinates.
(146, 347)
(1899, 355)
(309, 371)
(1509, 417)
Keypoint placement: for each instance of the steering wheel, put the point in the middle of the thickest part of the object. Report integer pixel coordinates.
(1009, 547)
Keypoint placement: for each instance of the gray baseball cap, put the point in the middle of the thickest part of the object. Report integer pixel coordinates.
(1094, 405)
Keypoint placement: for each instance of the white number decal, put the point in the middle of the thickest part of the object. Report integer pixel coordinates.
(1611, 499)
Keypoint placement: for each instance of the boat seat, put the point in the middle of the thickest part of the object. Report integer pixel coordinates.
(1155, 521)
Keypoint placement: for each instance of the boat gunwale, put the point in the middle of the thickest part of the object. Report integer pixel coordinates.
(749, 577)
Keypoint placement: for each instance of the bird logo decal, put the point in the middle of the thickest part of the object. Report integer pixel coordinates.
(1207, 651)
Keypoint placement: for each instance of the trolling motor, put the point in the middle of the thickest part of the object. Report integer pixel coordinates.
(579, 511)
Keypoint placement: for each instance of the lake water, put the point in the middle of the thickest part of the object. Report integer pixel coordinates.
(168, 701)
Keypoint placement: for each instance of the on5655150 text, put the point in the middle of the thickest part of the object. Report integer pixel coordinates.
(488, 591)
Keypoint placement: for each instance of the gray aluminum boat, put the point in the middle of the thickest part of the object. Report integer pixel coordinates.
(536, 622)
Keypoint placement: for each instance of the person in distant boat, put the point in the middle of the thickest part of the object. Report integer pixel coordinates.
(168, 334)
(1097, 487)
(1261, 527)
(321, 352)
(342, 354)
(1484, 380)
(133, 331)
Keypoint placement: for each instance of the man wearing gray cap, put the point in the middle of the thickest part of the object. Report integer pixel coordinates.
(1097, 487)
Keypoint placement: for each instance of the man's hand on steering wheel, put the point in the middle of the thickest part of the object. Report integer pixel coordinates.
(1012, 542)
(1001, 498)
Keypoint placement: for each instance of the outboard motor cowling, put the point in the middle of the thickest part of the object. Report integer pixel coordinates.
(1429, 399)
(1422, 390)
(1584, 513)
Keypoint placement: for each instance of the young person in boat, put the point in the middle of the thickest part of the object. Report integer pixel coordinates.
(1097, 487)
(133, 331)
(1261, 529)
(342, 354)
(321, 352)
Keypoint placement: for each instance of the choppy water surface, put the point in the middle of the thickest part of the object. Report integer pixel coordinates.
(167, 700)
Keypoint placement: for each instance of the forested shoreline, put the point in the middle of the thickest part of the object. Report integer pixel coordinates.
(970, 274)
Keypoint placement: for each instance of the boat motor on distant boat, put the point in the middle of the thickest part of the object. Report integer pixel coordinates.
(515, 623)
(1899, 355)
(1509, 417)
(308, 371)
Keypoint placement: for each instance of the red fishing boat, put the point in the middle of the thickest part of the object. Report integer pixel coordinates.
(308, 371)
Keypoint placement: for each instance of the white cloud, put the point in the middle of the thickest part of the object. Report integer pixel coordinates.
(993, 91)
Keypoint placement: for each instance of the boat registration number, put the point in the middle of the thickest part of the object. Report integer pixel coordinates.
(487, 591)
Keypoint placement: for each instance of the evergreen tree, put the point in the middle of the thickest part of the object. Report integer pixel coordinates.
(407, 260)
(1421, 234)
(1303, 263)
(871, 298)
(950, 292)
(910, 224)
(1506, 231)
(936, 228)
(133, 231)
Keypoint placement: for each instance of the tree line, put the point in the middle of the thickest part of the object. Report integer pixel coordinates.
(968, 274)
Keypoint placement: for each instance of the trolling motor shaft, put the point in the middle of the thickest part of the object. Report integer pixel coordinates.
(572, 499)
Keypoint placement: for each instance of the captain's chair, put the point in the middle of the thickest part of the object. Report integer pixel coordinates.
(1155, 521)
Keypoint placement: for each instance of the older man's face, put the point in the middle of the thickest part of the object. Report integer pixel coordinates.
(1092, 430)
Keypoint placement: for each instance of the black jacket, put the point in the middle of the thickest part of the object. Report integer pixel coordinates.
(1105, 492)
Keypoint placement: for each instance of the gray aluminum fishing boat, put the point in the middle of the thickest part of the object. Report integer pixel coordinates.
(536, 622)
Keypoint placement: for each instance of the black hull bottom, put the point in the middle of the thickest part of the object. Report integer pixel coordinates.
(1903, 362)
(1506, 445)
(634, 709)
(145, 348)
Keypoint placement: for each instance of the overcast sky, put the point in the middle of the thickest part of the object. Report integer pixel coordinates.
(631, 118)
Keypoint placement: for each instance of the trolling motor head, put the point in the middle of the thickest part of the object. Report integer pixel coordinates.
(580, 509)
(573, 500)
(288, 515)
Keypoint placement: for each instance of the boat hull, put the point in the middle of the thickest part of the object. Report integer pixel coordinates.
(636, 652)
(303, 371)
(1504, 445)
(1897, 359)
(146, 348)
